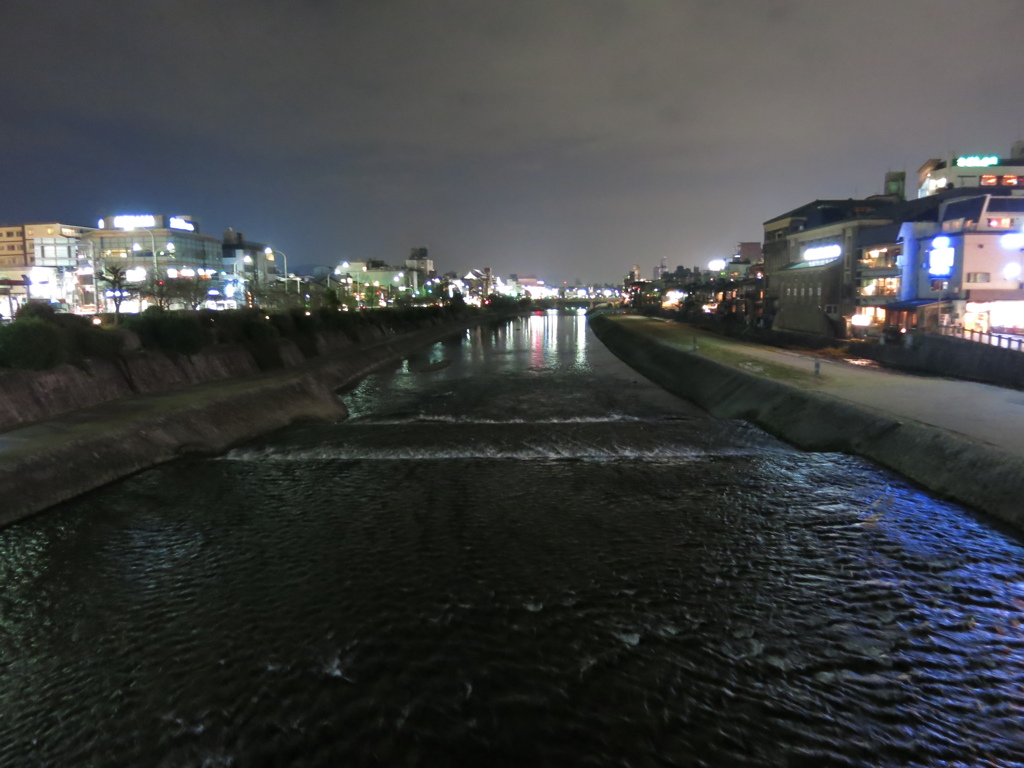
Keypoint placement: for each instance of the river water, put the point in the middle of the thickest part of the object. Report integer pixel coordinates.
(516, 552)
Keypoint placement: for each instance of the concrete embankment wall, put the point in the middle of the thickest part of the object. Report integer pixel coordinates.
(51, 462)
(974, 474)
(946, 356)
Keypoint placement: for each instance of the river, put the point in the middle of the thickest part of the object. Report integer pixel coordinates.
(515, 552)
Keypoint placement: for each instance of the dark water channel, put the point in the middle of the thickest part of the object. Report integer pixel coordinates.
(515, 553)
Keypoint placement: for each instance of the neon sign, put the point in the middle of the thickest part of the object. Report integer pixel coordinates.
(134, 222)
(823, 252)
(176, 222)
(977, 161)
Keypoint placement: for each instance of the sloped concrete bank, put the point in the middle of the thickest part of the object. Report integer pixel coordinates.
(972, 473)
(49, 462)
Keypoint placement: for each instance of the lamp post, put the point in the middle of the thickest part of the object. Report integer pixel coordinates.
(152, 247)
(270, 255)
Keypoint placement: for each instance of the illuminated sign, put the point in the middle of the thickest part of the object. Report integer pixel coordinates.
(823, 252)
(68, 231)
(716, 265)
(133, 222)
(940, 260)
(176, 222)
(135, 274)
(977, 161)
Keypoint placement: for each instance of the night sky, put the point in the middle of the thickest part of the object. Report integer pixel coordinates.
(566, 138)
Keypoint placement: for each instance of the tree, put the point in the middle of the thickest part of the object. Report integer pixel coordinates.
(116, 277)
(190, 291)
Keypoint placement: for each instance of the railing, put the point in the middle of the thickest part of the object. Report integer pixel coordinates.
(1015, 343)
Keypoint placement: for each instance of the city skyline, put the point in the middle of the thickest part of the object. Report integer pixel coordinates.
(570, 140)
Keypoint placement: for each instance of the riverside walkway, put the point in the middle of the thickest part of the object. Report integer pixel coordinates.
(982, 412)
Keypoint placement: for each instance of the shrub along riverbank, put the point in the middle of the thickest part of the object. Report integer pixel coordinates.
(40, 339)
(52, 365)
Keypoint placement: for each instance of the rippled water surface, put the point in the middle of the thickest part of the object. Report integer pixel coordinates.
(516, 552)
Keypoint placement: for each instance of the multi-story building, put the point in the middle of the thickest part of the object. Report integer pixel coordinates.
(151, 249)
(810, 257)
(966, 267)
(40, 261)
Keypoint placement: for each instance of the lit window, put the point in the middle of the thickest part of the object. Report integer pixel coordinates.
(1011, 181)
(1001, 223)
(979, 277)
(989, 180)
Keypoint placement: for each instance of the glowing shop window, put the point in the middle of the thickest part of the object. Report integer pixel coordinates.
(989, 181)
(1001, 223)
(1011, 181)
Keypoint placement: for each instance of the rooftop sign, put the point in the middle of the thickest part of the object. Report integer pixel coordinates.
(134, 222)
(977, 161)
(176, 222)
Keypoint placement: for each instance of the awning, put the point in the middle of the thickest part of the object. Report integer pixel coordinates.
(899, 306)
(994, 294)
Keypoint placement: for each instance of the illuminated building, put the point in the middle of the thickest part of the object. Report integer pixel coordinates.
(967, 267)
(39, 261)
(809, 262)
(983, 170)
(151, 248)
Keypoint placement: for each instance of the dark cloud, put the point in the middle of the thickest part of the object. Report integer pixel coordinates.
(571, 136)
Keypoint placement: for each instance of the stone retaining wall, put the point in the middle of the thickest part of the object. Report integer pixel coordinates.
(974, 474)
(86, 449)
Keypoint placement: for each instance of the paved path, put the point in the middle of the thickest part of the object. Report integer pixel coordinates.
(983, 412)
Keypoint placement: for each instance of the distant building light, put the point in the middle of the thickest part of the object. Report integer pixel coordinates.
(1012, 240)
(1011, 271)
(861, 321)
(823, 252)
(716, 265)
(989, 180)
(977, 161)
(176, 222)
(135, 274)
(101, 224)
(135, 221)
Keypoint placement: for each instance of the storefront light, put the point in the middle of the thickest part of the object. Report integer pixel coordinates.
(861, 321)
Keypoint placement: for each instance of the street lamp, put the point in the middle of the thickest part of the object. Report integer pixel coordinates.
(270, 257)
(152, 247)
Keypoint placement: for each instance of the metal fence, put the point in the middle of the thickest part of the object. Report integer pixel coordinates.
(1003, 341)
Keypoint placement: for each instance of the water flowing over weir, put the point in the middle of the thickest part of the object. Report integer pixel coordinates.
(515, 552)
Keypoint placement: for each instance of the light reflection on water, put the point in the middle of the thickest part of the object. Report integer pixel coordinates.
(514, 553)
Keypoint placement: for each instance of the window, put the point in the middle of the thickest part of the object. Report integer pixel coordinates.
(883, 286)
(988, 180)
(979, 277)
(939, 285)
(831, 309)
(1001, 223)
(1011, 181)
